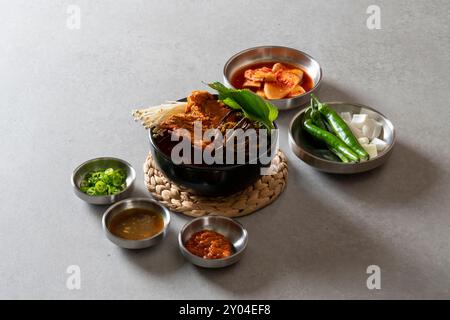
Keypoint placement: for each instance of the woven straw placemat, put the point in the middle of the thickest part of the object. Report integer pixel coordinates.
(178, 199)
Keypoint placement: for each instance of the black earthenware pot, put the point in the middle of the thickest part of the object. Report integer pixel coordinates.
(214, 180)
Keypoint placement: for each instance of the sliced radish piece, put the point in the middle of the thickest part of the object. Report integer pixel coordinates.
(356, 132)
(377, 129)
(371, 129)
(363, 140)
(257, 74)
(371, 150)
(298, 73)
(288, 78)
(251, 84)
(277, 66)
(283, 85)
(380, 144)
(359, 120)
(346, 116)
(368, 130)
(273, 90)
(298, 90)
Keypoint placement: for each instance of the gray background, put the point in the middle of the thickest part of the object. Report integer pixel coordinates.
(67, 95)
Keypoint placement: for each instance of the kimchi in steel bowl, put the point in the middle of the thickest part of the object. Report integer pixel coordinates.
(258, 69)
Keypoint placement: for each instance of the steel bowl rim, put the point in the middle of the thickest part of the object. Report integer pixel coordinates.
(316, 85)
(75, 171)
(200, 259)
(385, 152)
(140, 199)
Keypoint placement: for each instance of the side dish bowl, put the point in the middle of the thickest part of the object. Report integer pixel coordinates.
(277, 54)
(102, 164)
(133, 203)
(228, 227)
(302, 146)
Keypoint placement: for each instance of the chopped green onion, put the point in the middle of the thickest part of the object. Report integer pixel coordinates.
(117, 179)
(101, 187)
(104, 182)
(91, 191)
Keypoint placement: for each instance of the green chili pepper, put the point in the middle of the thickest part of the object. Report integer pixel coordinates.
(314, 104)
(339, 154)
(307, 114)
(341, 129)
(316, 117)
(314, 114)
(330, 140)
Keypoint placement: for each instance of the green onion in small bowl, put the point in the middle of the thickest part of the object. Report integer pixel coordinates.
(103, 180)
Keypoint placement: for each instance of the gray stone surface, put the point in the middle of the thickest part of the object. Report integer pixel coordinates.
(66, 96)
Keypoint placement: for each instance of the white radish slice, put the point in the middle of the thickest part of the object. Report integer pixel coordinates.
(380, 144)
(377, 129)
(371, 150)
(363, 140)
(368, 130)
(346, 116)
(371, 129)
(359, 120)
(356, 132)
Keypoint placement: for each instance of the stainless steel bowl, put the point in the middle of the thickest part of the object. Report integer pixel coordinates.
(278, 54)
(98, 164)
(142, 203)
(228, 227)
(302, 148)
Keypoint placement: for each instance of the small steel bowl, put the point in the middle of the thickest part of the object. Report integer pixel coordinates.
(302, 146)
(277, 54)
(228, 227)
(99, 164)
(142, 203)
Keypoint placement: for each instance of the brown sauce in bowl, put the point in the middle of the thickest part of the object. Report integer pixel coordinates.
(136, 224)
(209, 244)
